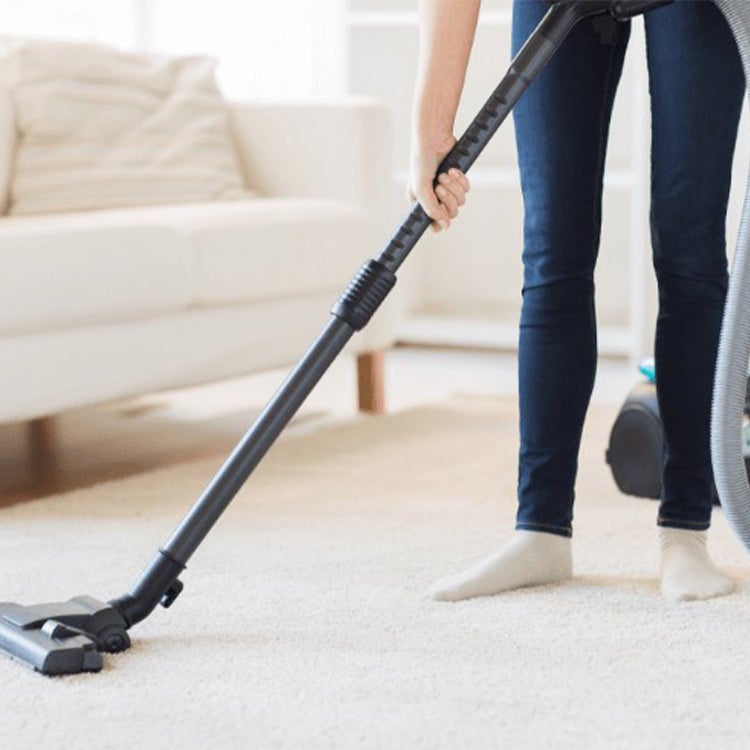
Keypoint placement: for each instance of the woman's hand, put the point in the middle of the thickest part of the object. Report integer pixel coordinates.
(441, 204)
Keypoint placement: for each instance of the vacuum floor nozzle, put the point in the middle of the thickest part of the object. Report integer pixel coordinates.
(62, 638)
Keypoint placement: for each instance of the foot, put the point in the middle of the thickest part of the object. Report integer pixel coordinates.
(687, 571)
(530, 558)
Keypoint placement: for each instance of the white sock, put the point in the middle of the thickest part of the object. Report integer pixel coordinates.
(687, 571)
(530, 558)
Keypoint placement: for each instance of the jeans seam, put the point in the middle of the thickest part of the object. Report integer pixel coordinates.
(600, 145)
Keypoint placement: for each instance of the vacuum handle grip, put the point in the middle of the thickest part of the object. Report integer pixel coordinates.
(525, 67)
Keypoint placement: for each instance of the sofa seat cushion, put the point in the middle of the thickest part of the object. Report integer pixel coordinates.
(90, 268)
(262, 249)
(96, 267)
(248, 251)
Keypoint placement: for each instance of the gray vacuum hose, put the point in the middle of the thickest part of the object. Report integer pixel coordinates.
(730, 381)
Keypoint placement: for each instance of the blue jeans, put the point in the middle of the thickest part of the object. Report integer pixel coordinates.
(562, 123)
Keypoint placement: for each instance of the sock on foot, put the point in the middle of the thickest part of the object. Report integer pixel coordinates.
(687, 571)
(530, 558)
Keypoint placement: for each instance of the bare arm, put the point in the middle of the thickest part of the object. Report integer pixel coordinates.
(446, 36)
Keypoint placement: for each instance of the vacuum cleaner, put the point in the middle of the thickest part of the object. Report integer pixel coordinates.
(70, 637)
(635, 452)
(636, 444)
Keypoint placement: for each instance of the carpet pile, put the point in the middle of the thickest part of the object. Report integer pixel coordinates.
(306, 623)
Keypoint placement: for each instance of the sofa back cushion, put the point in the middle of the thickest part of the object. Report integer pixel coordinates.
(7, 142)
(102, 128)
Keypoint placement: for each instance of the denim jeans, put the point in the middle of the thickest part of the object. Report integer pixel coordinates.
(562, 122)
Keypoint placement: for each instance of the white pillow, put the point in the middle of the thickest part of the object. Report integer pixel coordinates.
(101, 128)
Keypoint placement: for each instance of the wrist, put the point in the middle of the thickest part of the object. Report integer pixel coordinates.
(432, 119)
(434, 138)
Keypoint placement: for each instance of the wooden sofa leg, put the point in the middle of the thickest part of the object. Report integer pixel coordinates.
(42, 441)
(371, 377)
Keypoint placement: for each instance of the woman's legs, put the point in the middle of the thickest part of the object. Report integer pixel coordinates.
(697, 89)
(562, 124)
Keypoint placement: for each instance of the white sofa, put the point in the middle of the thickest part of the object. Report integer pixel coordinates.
(102, 305)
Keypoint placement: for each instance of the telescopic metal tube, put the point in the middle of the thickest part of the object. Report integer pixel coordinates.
(256, 442)
(526, 66)
(159, 582)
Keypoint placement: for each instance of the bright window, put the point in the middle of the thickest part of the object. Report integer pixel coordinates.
(267, 48)
(109, 21)
(270, 49)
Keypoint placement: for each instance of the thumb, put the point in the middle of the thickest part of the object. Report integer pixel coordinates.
(428, 200)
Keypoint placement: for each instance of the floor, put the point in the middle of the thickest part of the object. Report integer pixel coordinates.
(130, 437)
(306, 620)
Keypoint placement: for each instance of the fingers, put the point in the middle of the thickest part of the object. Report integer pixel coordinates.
(435, 210)
(450, 195)
(451, 191)
(430, 203)
(442, 203)
(459, 179)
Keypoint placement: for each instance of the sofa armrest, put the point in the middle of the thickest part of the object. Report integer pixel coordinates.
(340, 150)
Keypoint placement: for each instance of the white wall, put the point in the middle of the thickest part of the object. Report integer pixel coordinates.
(266, 48)
(109, 21)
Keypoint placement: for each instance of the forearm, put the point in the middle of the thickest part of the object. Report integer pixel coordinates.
(446, 36)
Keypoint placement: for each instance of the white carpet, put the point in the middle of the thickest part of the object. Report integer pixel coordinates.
(305, 621)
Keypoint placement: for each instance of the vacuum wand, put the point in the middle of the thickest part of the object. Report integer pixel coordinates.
(68, 637)
(366, 292)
